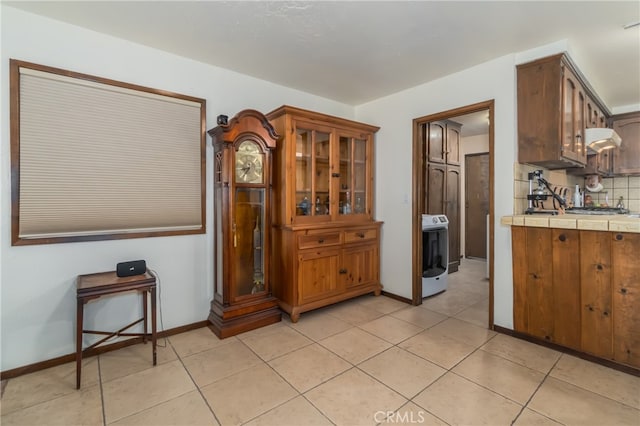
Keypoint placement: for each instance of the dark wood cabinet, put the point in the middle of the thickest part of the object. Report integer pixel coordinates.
(442, 179)
(626, 158)
(554, 108)
(578, 289)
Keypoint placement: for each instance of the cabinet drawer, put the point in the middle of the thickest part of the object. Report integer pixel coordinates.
(360, 235)
(318, 240)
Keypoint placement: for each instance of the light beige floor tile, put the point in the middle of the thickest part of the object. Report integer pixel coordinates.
(596, 378)
(353, 313)
(188, 409)
(355, 345)
(280, 342)
(44, 385)
(439, 349)
(500, 375)
(402, 371)
(298, 411)
(194, 341)
(391, 329)
(132, 359)
(452, 301)
(521, 352)
(131, 394)
(353, 398)
(318, 324)
(463, 331)
(411, 414)
(82, 407)
(458, 401)
(309, 366)
(382, 304)
(419, 316)
(571, 405)
(531, 418)
(264, 331)
(212, 365)
(477, 314)
(247, 394)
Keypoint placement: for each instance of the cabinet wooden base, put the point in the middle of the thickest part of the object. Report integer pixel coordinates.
(232, 320)
(295, 311)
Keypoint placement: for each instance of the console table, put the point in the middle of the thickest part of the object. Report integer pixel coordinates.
(94, 286)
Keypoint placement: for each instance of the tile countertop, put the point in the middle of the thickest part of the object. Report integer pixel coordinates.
(614, 223)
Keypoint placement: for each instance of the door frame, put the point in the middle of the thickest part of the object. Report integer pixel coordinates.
(418, 189)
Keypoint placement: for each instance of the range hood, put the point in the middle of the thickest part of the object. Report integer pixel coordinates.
(598, 139)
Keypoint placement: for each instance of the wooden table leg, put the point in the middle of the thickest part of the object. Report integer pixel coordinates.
(144, 315)
(153, 322)
(79, 328)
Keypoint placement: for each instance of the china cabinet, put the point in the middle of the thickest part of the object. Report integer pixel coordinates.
(325, 240)
(242, 191)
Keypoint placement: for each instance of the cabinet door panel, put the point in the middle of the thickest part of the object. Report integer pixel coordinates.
(626, 298)
(595, 293)
(317, 274)
(436, 142)
(626, 158)
(520, 273)
(452, 210)
(359, 265)
(453, 144)
(539, 283)
(435, 188)
(566, 287)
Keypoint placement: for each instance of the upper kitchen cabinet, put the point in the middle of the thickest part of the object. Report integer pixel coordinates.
(443, 142)
(553, 112)
(626, 158)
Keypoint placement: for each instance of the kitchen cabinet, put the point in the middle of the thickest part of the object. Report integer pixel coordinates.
(546, 291)
(626, 298)
(578, 289)
(597, 163)
(326, 241)
(552, 104)
(626, 158)
(442, 179)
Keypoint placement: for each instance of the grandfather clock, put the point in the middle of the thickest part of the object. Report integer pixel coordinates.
(242, 168)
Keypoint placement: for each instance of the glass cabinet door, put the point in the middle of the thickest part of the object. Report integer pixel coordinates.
(248, 242)
(353, 175)
(313, 173)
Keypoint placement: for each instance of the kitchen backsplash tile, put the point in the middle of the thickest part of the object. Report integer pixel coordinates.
(556, 178)
(627, 187)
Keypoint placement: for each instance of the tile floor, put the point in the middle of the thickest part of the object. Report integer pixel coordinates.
(372, 360)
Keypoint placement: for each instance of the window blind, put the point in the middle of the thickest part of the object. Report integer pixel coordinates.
(98, 159)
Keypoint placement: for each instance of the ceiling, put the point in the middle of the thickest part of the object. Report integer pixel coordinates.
(357, 51)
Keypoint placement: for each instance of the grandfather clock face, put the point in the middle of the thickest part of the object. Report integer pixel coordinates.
(249, 161)
(249, 219)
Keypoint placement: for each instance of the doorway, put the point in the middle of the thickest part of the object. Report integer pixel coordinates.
(476, 205)
(420, 190)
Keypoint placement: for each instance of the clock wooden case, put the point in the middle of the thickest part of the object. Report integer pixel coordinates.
(242, 189)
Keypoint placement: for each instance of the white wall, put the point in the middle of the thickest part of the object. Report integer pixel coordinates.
(38, 282)
(394, 114)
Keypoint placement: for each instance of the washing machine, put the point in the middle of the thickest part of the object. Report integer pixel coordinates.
(435, 254)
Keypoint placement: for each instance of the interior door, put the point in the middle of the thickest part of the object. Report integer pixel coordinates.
(476, 204)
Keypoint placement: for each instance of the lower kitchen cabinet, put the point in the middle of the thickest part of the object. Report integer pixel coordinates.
(579, 289)
(325, 265)
(626, 298)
